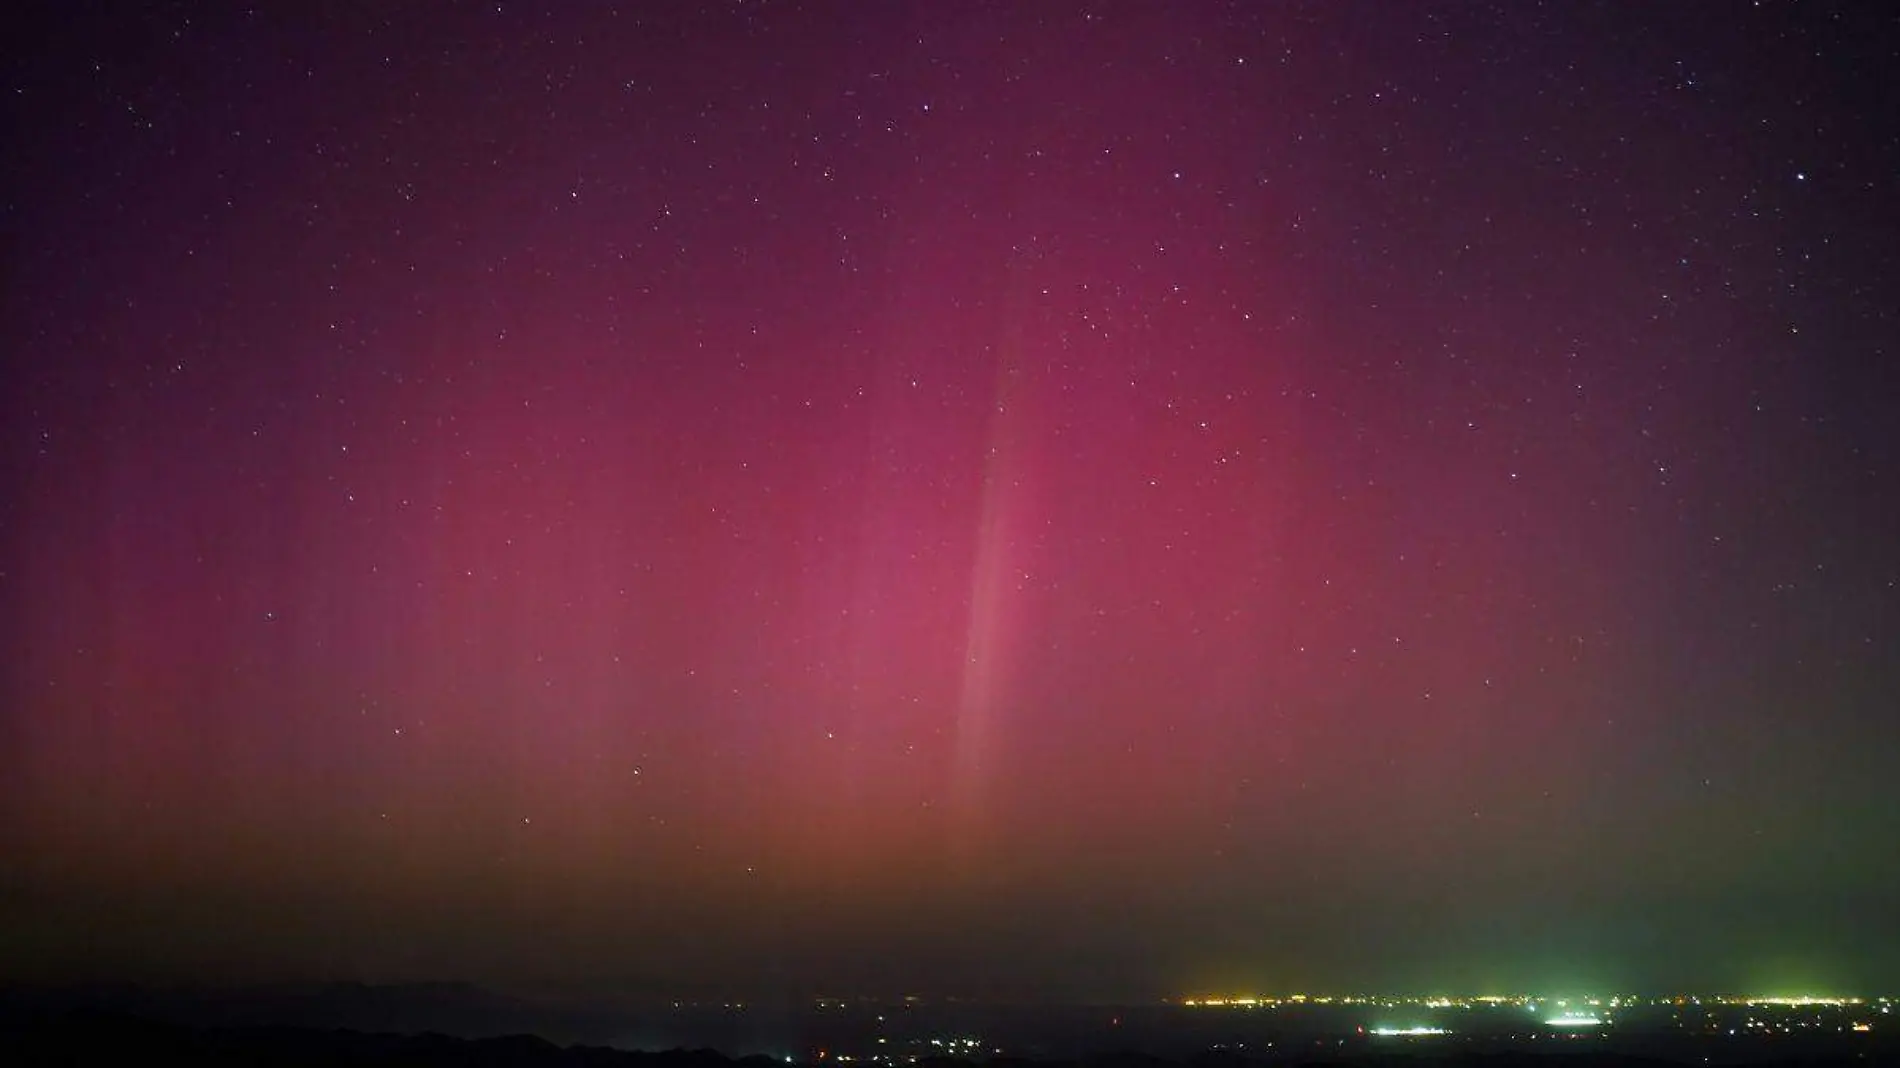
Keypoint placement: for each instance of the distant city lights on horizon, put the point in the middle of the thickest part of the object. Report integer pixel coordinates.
(1531, 1001)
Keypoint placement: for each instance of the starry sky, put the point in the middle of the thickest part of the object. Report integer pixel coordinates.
(1069, 500)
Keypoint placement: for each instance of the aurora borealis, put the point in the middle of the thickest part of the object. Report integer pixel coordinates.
(1082, 500)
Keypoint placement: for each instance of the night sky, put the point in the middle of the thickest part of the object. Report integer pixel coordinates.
(1063, 500)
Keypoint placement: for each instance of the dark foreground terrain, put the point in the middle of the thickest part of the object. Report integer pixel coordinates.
(80, 1038)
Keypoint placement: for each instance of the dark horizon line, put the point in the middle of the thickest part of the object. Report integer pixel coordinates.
(703, 998)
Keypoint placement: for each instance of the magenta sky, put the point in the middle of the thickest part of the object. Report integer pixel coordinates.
(1085, 499)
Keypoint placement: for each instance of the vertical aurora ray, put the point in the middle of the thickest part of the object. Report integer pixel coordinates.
(989, 644)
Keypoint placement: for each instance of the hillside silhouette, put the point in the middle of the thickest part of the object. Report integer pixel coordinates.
(87, 1037)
